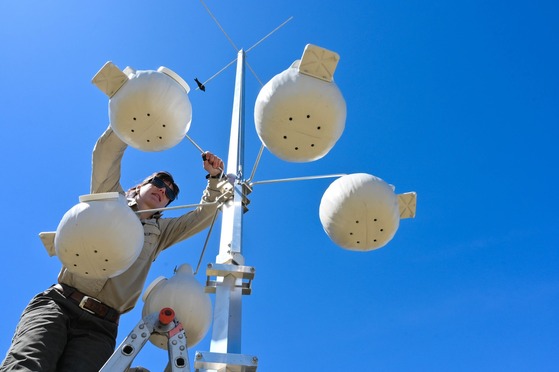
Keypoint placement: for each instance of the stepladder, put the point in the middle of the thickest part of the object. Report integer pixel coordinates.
(164, 324)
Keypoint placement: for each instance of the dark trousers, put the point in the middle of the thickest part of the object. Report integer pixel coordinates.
(55, 334)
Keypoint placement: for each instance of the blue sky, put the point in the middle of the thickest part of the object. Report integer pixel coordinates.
(458, 101)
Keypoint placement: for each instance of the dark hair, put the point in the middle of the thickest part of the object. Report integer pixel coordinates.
(165, 176)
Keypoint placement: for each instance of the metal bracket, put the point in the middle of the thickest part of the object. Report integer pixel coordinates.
(246, 201)
(225, 362)
(245, 273)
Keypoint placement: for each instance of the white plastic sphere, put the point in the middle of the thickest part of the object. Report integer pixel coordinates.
(299, 118)
(151, 111)
(100, 237)
(186, 296)
(360, 212)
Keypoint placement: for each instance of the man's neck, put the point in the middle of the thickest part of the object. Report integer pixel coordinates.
(138, 207)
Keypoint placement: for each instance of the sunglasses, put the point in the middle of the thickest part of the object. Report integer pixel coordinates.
(158, 182)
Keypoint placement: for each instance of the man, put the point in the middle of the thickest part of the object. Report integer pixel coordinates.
(72, 326)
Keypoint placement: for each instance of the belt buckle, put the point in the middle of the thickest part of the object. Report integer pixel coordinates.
(84, 301)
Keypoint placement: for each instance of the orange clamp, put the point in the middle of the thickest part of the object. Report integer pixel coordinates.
(166, 315)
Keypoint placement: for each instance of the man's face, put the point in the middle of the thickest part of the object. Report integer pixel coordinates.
(151, 197)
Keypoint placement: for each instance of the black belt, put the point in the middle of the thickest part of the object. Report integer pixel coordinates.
(90, 304)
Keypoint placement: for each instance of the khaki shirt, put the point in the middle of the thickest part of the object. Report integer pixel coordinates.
(122, 292)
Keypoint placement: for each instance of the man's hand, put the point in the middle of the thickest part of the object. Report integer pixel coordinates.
(212, 164)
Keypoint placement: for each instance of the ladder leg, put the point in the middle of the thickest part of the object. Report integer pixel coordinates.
(131, 346)
(164, 324)
(178, 351)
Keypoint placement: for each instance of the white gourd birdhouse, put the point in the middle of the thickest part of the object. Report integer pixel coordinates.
(149, 110)
(186, 296)
(300, 113)
(100, 237)
(361, 212)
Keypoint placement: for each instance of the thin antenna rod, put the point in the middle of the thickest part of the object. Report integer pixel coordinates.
(224, 68)
(265, 37)
(257, 43)
(219, 72)
(298, 179)
(175, 207)
(195, 144)
(218, 25)
(206, 242)
(256, 163)
(254, 73)
(234, 46)
(201, 151)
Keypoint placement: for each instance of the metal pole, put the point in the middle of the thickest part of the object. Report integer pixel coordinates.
(226, 334)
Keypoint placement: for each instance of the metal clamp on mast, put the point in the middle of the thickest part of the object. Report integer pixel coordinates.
(242, 274)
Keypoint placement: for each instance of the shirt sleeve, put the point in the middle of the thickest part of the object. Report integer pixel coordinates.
(174, 230)
(106, 163)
